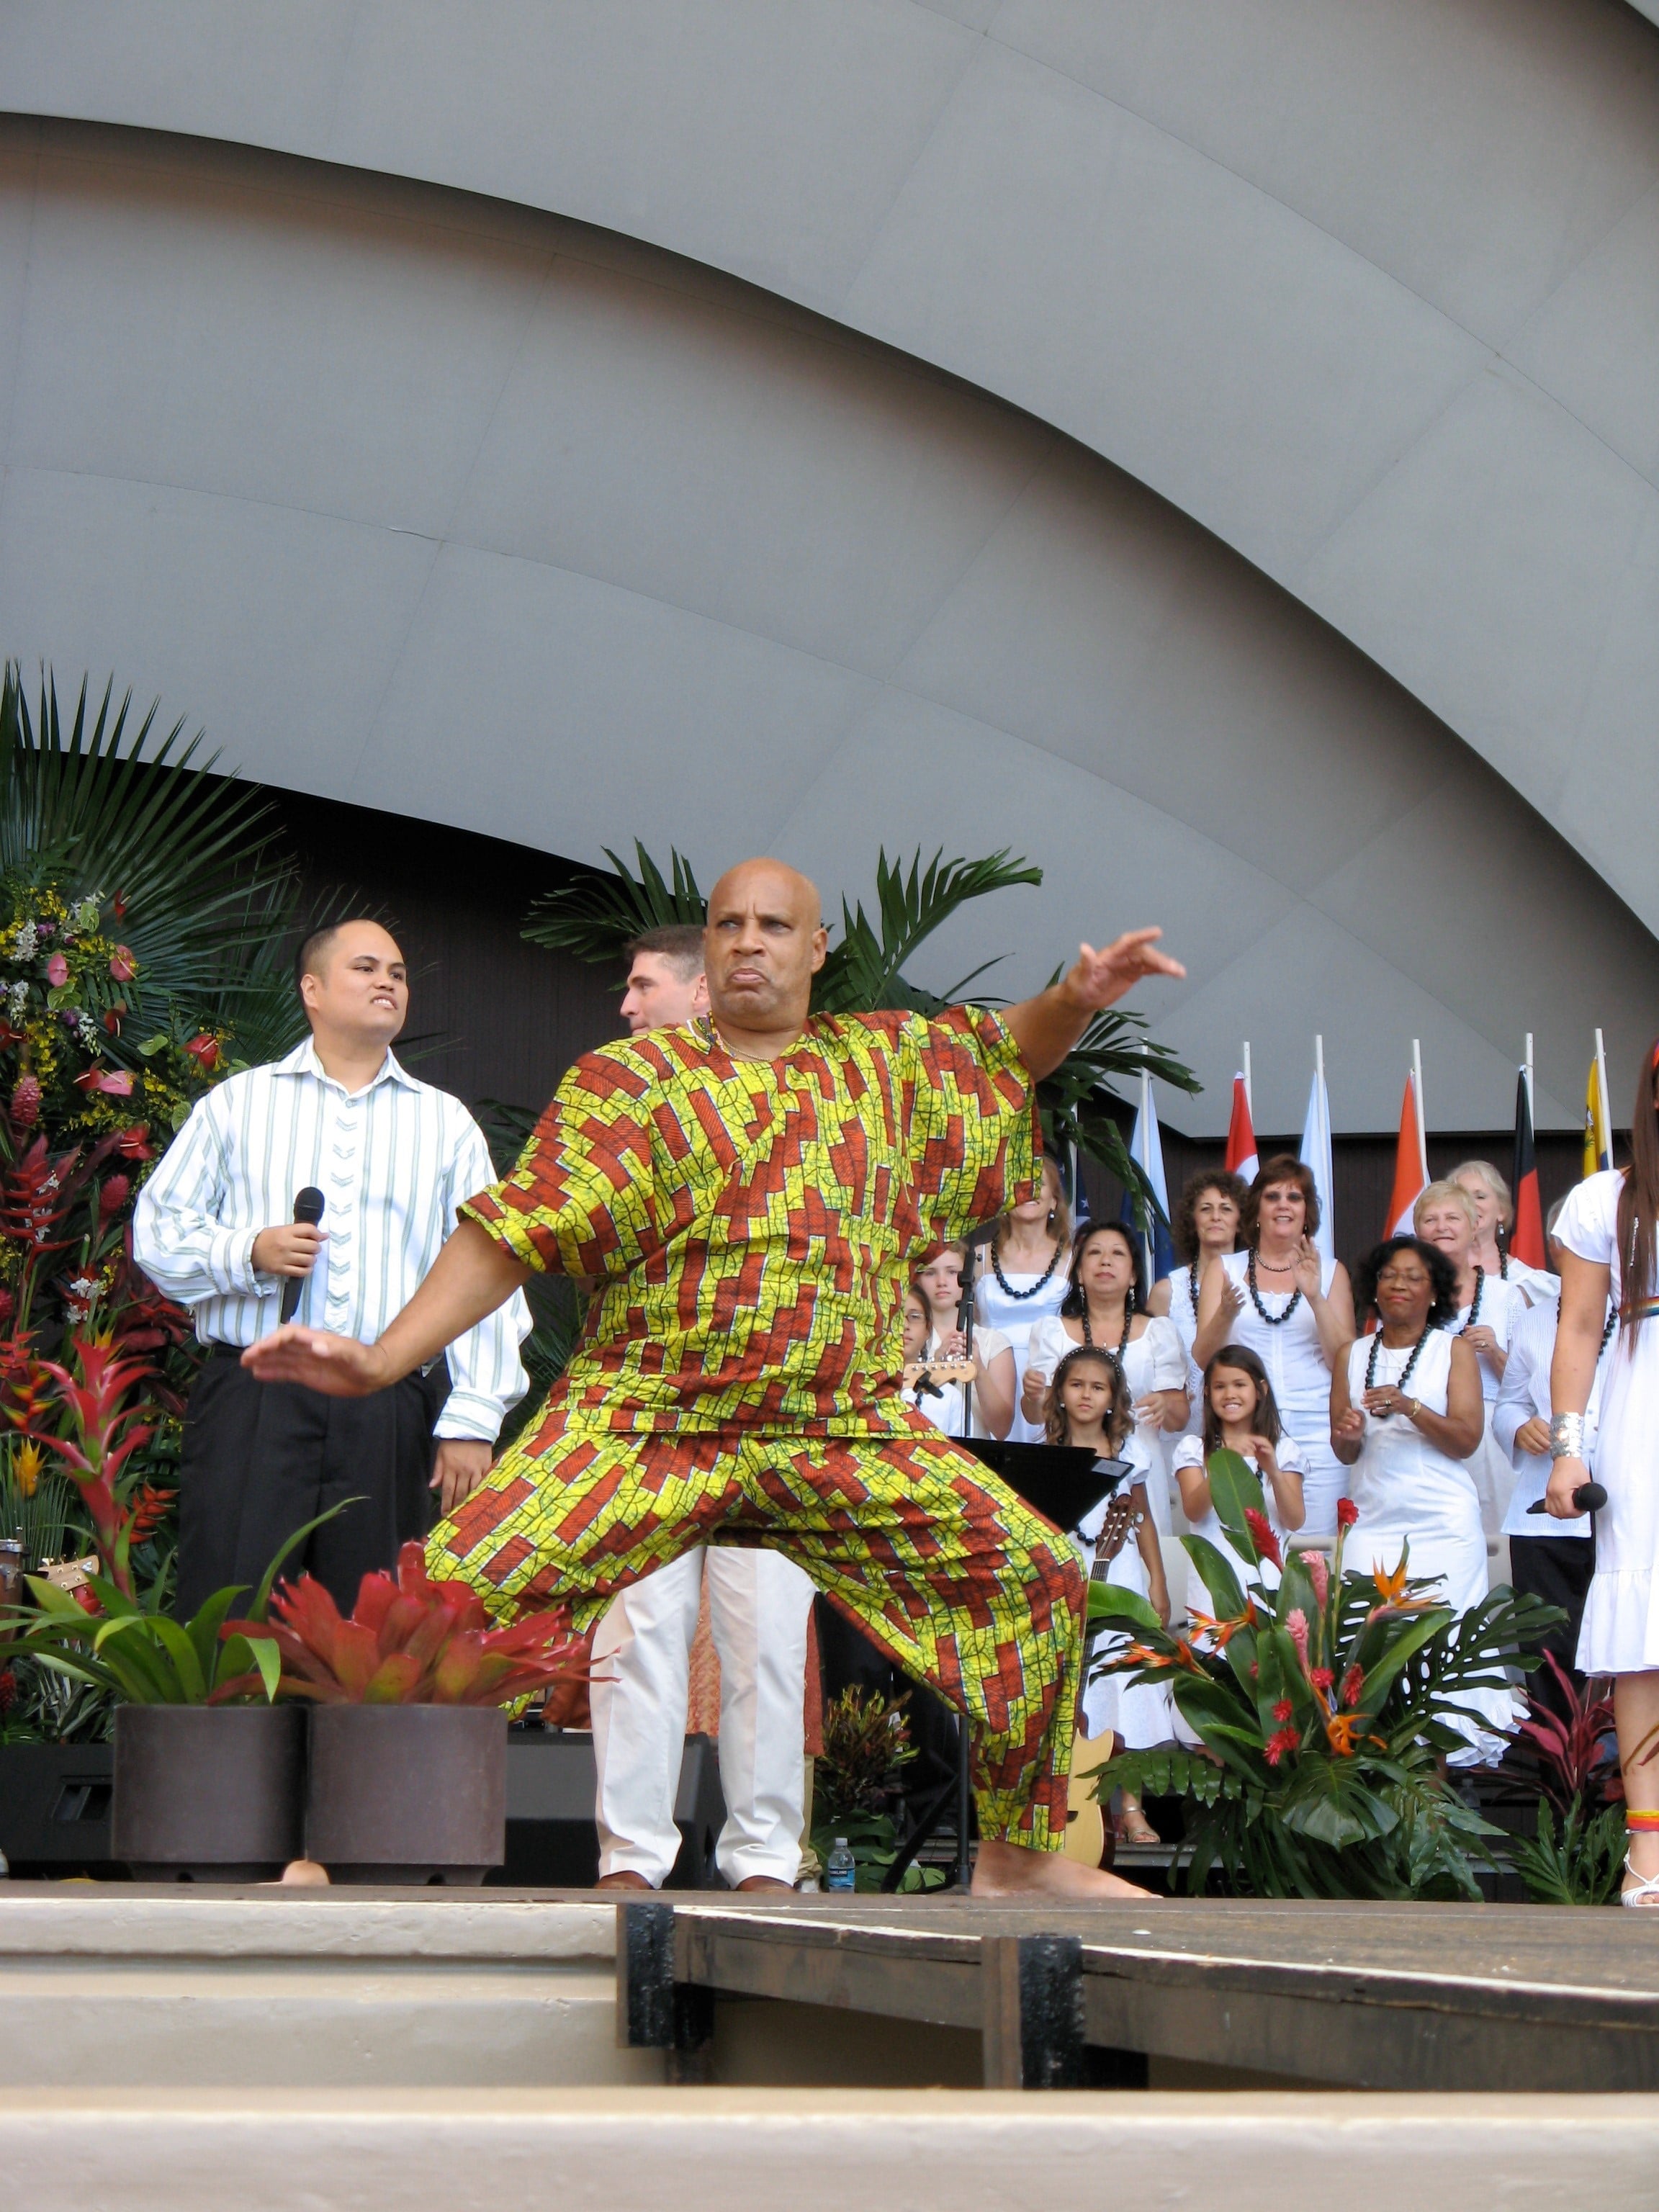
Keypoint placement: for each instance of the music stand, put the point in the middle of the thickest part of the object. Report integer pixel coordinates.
(1064, 1484)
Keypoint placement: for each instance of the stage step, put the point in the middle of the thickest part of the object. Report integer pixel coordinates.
(753, 2150)
(151, 1988)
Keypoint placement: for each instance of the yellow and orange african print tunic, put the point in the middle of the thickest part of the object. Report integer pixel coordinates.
(751, 1224)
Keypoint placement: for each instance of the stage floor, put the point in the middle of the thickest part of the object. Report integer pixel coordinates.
(1383, 1997)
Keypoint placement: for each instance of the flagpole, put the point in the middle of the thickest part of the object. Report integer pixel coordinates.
(1147, 1234)
(1422, 1118)
(1602, 1099)
(1532, 1099)
(1319, 1070)
(1249, 1094)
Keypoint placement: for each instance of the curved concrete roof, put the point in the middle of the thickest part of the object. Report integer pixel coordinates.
(1370, 292)
(441, 505)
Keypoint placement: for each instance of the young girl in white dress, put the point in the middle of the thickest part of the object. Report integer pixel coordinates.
(1206, 1227)
(1025, 1281)
(1089, 1407)
(1280, 1300)
(1103, 1306)
(1605, 1236)
(1494, 1219)
(1487, 1310)
(992, 1406)
(1239, 1415)
(1406, 1414)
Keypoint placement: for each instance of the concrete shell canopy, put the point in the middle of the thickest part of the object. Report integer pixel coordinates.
(1229, 356)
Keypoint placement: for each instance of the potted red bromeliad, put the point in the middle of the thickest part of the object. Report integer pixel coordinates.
(408, 1778)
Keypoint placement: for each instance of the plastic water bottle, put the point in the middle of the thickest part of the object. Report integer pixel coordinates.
(840, 1868)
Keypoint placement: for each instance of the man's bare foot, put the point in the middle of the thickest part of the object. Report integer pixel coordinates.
(1004, 1869)
(766, 1882)
(624, 1879)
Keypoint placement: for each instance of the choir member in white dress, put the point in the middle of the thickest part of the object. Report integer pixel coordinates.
(1494, 1221)
(992, 1405)
(1606, 1236)
(1487, 1309)
(1405, 1413)
(1025, 1281)
(1205, 1226)
(1239, 1415)
(1103, 1306)
(1089, 1407)
(1549, 1559)
(1294, 1310)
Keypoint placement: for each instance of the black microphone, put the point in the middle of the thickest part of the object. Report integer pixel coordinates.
(1588, 1498)
(308, 1209)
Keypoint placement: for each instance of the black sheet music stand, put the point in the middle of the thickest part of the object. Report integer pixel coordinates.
(1064, 1484)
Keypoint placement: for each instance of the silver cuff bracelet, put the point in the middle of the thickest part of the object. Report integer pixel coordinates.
(1567, 1436)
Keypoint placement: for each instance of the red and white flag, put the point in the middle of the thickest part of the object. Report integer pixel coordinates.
(1411, 1163)
(1242, 1159)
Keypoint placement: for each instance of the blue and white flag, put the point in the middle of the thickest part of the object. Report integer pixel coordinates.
(1146, 1151)
(1316, 1154)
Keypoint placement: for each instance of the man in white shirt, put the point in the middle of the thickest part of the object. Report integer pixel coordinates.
(214, 1228)
(1551, 1560)
(758, 1606)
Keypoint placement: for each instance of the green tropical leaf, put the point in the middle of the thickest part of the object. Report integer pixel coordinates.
(1216, 1573)
(595, 916)
(1111, 1601)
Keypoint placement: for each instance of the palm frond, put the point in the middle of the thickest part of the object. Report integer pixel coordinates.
(595, 917)
(864, 971)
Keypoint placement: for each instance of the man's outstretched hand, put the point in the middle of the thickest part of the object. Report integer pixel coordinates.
(1047, 1027)
(1098, 979)
(339, 1366)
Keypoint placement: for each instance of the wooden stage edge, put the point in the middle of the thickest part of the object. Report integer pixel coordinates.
(1375, 1996)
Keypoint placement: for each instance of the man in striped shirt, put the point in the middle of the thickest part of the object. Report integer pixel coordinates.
(213, 1228)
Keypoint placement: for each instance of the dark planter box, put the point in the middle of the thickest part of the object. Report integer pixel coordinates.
(207, 1792)
(55, 1809)
(407, 1793)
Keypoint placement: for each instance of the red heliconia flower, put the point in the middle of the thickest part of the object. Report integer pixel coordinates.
(115, 1194)
(1267, 1543)
(8, 1308)
(1322, 1679)
(84, 1598)
(1284, 1709)
(1352, 1683)
(1346, 1512)
(123, 966)
(149, 1510)
(25, 1103)
(57, 971)
(1281, 1741)
(203, 1049)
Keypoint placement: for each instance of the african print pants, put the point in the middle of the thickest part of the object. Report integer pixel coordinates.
(940, 1563)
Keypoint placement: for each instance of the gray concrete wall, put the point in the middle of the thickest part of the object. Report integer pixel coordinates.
(445, 505)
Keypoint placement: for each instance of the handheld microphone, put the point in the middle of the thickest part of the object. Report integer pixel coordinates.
(1588, 1498)
(307, 1208)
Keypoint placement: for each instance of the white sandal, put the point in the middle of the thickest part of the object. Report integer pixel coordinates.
(1639, 1889)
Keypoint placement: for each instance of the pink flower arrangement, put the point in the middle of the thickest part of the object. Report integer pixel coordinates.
(1319, 1575)
(123, 966)
(1296, 1627)
(113, 1082)
(57, 971)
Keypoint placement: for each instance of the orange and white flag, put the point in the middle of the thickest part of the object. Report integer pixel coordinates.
(1411, 1163)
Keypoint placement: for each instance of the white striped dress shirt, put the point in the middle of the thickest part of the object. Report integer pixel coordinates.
(393, 1161)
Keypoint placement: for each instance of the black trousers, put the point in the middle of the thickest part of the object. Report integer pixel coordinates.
(261, 1459)
(1557, 1569)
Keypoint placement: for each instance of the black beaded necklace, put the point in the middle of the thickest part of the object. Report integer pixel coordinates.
(1192, 1285)
(1007, 1288)
(1116, 1358)
(1405, 1376)
(1273, 1321)
(1474, 1309)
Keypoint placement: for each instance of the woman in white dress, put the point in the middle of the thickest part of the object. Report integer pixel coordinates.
(1089, 1407)
(1291, 1308)
(993, 1409)
(1024, 1279)
(1205, 1226)
(1405, 1413)
(1488, 1309)
(1103, 1306)
(1494, 1220)
(1606, 1233)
